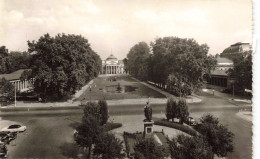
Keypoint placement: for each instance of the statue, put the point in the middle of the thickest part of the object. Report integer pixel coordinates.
(148, 112)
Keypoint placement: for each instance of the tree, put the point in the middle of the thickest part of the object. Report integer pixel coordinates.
(182, 111)
(88, 132)
(136, 63)
(242, 72)
(62, 65)
(216, 134)
(125, 60)
(185, 147)
(103, 111)
(149, 149)
(6, 89)
(92, 109)
(13, 61)
(184, 59)
(108, 147)
(171, 108)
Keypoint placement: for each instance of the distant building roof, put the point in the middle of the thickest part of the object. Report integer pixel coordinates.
(237, 48)
(223, 61)
(218, 72)
(111, 57)
(12, 76)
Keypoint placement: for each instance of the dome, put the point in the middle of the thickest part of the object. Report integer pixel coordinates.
(112, 57)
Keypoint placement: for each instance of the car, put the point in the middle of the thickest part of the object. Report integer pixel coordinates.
(14, 128)
(191, 121)
(3, 151)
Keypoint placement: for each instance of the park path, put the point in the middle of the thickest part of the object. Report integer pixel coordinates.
(189, 99)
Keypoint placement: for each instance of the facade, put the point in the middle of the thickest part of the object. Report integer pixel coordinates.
(219, 76)
(14, 78)
(112, 66)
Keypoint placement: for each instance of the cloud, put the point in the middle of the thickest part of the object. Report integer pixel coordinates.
(13, 17)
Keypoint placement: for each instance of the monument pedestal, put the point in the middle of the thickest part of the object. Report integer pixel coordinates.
(148, 127)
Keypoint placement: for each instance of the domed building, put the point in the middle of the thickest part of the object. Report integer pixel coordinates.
(112, 66)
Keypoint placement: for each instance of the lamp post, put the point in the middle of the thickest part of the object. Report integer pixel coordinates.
(14, 94)
(90, 92)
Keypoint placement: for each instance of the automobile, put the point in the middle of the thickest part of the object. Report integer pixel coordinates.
(14, 128)
(191, 121)
(3, 151)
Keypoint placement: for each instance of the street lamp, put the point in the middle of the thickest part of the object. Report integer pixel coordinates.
(90, 92)
(14, 94)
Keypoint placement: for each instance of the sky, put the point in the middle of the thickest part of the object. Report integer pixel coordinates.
(114, 26)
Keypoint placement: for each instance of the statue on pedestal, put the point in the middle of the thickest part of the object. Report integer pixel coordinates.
(148, 112)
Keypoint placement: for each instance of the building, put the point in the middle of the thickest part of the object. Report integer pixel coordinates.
(112, 66)
(219, 76)
(235, 50)
(14, 78)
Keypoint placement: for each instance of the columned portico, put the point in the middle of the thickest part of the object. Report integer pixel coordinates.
(112, 66)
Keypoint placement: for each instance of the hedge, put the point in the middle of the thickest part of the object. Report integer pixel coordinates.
(111, 126)
(177, 126)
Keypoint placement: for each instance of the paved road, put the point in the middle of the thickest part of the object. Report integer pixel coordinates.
(218, 106)
(226, 112)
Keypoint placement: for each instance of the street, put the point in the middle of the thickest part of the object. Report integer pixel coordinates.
(218, 106)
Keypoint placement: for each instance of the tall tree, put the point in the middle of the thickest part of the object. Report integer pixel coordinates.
(88, 133)
(103, 111)
(216, 134)
(184, 59)
(136, 63)
(185, 147)
(62, 65)
(6, 89)
(182, 111)
(171, 108)
(242, 72)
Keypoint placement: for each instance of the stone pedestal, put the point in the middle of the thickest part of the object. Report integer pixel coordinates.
(148, 127)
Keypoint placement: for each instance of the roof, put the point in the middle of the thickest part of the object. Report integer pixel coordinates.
(218, 72)
(223, 60)
(12, 76)
(235, 48)
(111, 57)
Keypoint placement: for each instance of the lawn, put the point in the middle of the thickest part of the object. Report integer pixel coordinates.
(107, 88)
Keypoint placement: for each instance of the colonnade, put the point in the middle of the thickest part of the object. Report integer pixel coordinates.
(113, 69)
(218, 81)
(20, 85)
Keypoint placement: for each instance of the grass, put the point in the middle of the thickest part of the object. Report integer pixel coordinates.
(177, 126)
(101, 89)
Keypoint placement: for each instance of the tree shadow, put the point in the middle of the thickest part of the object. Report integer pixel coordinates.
(70, 150)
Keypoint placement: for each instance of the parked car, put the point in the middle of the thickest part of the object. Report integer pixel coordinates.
(3, 151)
(14, 128)
(191, 121)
